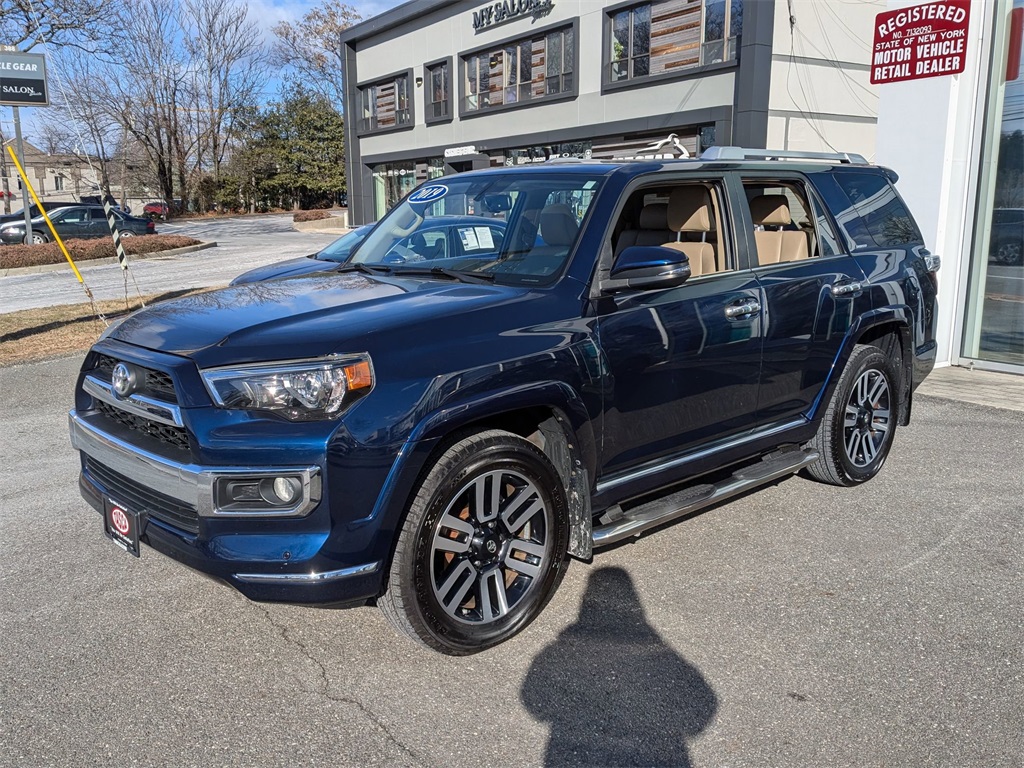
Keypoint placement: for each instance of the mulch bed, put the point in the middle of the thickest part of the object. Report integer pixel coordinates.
(88, 250)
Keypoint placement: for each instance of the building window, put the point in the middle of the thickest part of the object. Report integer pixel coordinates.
(386, 104)
(439, 103)
(521, 71)
(631, 43)
(670, 36)
(58, 183)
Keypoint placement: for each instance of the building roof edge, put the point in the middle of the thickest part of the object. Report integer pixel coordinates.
(396, 16)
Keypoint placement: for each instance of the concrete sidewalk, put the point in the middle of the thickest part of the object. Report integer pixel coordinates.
(996, 390)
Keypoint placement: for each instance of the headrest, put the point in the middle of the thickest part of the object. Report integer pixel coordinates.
(558, 225)
(770, 210)
(689, 209)
(654, 216)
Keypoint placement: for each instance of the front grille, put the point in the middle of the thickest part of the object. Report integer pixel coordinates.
(139, 498)
(173, 436)
(155, 384)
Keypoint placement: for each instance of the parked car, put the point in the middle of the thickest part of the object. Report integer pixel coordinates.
(329, 257)
(643, 339)
(76, 221)
(158, 209)
(1007, 238)
(33, 210)
(443, 237)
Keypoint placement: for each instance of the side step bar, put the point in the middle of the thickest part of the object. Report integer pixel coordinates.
(623, 524)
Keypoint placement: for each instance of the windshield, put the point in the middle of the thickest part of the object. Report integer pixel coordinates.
(340, 249)
(511, 227)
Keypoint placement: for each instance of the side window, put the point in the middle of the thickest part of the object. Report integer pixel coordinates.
(683, 217)
(75, 216)
(786, 227)
(828, 242)
(883, 220)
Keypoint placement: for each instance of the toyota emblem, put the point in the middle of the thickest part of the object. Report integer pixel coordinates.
(122, 380)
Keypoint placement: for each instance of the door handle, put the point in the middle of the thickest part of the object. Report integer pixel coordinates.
(846, 289)
(739, 310)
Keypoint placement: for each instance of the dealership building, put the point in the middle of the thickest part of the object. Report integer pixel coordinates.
(435, 87)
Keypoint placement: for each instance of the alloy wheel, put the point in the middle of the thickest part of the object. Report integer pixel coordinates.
(866, 421)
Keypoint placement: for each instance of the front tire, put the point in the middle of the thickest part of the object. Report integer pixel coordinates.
(37, 238)
(483, 546)
(857, 431)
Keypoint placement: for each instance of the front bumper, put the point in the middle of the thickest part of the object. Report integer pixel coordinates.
(276, 559)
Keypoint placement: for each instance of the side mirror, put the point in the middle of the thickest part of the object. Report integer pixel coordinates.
(649, 266)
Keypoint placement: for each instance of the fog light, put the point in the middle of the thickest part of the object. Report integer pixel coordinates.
(280, 490)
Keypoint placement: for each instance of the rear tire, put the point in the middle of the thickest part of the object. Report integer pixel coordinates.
(858, 428)
(483, 547)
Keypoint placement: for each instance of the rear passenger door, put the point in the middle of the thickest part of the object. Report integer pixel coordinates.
(811, 288)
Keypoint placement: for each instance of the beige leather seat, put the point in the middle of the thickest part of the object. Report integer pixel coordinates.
(689, 211)
(653, 228)
(776, 245)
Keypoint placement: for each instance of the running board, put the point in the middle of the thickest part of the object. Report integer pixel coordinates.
(623, 524)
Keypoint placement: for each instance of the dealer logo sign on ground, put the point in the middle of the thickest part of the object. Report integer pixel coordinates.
(921, 41)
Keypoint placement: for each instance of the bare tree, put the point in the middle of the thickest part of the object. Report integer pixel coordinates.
(26, 23)
(312, 48)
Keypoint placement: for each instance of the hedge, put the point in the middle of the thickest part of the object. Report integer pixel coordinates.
(88, 250)
(316, 215)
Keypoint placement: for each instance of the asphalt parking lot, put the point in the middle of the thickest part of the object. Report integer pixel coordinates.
(801, 625)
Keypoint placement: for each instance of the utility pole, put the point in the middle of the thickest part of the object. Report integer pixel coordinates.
(6, 192)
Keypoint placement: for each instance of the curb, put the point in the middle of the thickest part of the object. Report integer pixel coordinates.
(333, 224)
(12, 271)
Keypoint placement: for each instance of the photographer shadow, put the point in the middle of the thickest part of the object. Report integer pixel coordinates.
(613, 692)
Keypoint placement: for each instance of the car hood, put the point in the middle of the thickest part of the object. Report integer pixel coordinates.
(299, 317)
(290, 268)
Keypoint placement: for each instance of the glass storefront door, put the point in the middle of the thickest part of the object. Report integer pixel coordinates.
(994, 321)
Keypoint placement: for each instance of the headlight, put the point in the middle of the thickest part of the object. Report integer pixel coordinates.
(300, 390)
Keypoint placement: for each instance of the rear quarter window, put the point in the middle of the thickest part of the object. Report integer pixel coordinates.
(868, 210)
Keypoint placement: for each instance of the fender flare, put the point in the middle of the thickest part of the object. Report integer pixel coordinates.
(558, 397)
(894, 315)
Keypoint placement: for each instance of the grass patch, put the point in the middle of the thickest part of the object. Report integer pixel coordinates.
(88, 250)
(36, 334)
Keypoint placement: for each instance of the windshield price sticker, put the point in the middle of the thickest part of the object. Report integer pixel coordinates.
(428, 194)
(922, 41)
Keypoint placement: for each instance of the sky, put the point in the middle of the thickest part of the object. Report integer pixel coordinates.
(266, 13)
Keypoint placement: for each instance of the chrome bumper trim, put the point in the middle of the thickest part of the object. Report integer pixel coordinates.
(308, 578)
(147, 407)
(190, 484)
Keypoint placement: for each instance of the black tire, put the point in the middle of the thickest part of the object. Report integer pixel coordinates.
(462, 602)
(36, 238)
(857, 431)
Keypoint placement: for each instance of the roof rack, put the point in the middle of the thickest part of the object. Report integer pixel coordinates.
(728, 154)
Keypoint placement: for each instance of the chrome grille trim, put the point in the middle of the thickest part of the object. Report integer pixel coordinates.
(139, 405)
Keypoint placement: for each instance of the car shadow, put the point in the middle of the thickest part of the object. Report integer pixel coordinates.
(612, 691)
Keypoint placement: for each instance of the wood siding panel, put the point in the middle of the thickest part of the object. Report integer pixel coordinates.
(675, 35)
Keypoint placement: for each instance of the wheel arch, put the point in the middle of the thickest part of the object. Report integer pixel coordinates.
(887, 328)
(550, 415)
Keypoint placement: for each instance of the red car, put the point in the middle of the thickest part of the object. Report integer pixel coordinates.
(157, 208)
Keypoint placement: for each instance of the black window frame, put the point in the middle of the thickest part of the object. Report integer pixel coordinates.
(428, 91)
(362, 129)
(569, 95)
(643, 81)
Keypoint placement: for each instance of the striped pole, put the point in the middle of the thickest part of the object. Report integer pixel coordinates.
(108, 208)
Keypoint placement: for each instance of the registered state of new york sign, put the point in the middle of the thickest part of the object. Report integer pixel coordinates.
(921, 41)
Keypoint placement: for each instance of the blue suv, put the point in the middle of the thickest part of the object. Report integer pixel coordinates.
(441, 436)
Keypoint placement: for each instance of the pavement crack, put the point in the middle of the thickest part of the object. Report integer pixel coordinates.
(324, 689)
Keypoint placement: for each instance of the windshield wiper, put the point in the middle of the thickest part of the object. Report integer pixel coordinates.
(454, 274)
(368, 269)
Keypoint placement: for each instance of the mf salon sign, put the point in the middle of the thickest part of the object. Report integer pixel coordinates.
(493, 14)
(23, 79)
(921, 41)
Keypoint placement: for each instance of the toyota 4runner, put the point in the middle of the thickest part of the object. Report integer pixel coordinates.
(438, 427)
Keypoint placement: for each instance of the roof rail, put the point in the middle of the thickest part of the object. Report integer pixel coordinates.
(742, 153)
